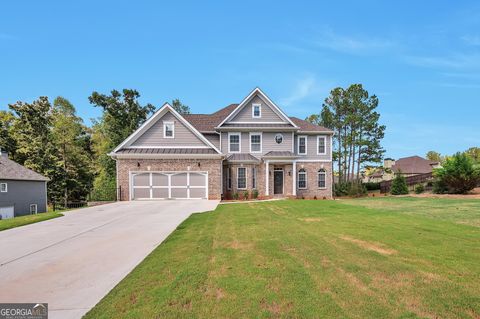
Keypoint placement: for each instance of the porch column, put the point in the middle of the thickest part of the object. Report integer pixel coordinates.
(294, 178)
(266, 178)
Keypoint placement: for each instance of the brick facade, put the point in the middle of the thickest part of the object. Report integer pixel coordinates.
(312, 180)
(212, 166)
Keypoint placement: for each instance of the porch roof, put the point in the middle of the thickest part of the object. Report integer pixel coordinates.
(280, 155)
(242, 158)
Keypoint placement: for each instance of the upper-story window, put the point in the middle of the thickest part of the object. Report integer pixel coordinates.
(234, 142)
(255, 142)
(302, 145)
(321, 145)
(168, 130)
(3, 187)
(256, 110)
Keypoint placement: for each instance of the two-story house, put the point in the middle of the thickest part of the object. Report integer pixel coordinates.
(249, 146)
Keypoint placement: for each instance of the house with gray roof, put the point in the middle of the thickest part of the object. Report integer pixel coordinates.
(251, 146)
(22, 191)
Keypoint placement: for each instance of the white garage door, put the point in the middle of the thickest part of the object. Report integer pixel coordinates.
(6, 212)
(169, 185)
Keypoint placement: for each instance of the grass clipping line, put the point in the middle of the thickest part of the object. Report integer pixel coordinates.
(376, 247)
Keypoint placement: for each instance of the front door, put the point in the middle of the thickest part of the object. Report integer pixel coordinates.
(278, 181)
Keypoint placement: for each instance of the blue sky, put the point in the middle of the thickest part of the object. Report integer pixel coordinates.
(422, 58)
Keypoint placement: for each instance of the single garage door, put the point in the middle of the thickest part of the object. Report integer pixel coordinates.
(6, 212)
(169, 185)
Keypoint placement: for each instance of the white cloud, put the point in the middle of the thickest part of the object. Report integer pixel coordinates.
(305, 90)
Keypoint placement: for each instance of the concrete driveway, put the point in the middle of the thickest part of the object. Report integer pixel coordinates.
(73, 261)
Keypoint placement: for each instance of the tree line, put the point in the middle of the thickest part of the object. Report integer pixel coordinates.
(51, 139)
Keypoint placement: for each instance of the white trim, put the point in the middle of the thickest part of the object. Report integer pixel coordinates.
(250, 141)
(318, 179)
(294, 178)
(166, 156)
(306, 179)
(259, 110)
(168, 147)
(254, 177)
(324, 144)
(153, 119)
(267, 182)
(331, 148)
(258, 122)
(275, 138)
(239, 142)
(245, 100)
(293, 142)
(36, 209)
(313, 160)
(298, 144)
(165, 123)
(246, 178)
(1, 188)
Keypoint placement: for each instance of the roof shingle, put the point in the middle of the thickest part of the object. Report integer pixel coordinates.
(14, 171)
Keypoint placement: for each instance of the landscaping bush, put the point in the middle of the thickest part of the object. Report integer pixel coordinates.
(255, 194)
(370, 186)
(245, 195)
(439, 187)
(399, 185)
(350, 189)
(419, 189)
(235, 196)
(457, 176)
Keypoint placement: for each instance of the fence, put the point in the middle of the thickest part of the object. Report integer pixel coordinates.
(411, 181)
(69, 205)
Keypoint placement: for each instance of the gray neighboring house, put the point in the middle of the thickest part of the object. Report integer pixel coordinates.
(22, 191)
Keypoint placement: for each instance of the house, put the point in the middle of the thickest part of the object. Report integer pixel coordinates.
(406, 166)
(22, 191)
(240, 148)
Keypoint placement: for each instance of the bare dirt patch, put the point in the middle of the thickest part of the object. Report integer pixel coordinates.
(376, 247)
(311, 219)
(239, 245)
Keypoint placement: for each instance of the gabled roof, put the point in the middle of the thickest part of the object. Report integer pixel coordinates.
(207, 122)
(258, 91)
(152, 120)
(413, 165)
(14, 171)
(306, 126)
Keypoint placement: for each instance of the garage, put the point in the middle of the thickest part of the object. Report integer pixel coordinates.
(6, 212)
(169, 185)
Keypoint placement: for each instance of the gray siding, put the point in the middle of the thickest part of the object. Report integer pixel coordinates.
(268, 115)
(312, 147)
(154, 135)
(268, 142)
(214, 139)
(23, 193)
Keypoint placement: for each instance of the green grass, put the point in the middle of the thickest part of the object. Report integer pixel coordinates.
(26, 220)
(308, 259)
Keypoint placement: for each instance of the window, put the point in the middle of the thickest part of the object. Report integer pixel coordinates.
(256, 110)
(279, 138)
(234, 142)
(321, 145)
(241, 178)
(254, 177)
(229, 178)
(255, 142)
(33, 208)
(3, 187)
(302, 179)
(168, 129)
(322, 178)
(302, 145)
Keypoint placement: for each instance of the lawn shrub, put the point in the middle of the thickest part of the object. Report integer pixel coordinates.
(245, 195)
(352, 189)
(255, 194)
(370, 186)
(457, 176)
(419, 189)
(235, 196)
(399, 185)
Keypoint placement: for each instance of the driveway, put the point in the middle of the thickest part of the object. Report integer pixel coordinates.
(73, 261)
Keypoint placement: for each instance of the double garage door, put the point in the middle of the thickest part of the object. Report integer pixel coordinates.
(169, 185)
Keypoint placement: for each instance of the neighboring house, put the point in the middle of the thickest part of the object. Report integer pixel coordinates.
(22, 191)
(406, 166)
(249, 146)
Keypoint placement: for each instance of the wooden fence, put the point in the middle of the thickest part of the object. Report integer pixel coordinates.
(411, 181)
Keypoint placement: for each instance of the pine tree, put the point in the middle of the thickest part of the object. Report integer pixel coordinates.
(399, 185)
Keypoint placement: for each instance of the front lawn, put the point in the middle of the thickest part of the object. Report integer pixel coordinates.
(307, 259)
(28, 219)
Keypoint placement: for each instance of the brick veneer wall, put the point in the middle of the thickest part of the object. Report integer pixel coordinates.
(212, 166)
(312, 180)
